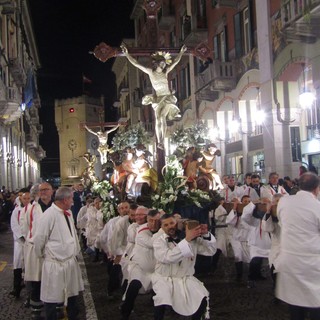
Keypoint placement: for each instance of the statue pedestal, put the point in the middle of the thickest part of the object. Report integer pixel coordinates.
(193, 213)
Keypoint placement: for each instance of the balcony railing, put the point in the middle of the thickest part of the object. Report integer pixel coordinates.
(300, 20)
(193, 36)
(13, 95)
(313, 131)
(31, 141)
(149, 127)
(17, 71)
(218, 76)
(294, 9)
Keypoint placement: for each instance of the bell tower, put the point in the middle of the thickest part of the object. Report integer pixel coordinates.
(74, 140)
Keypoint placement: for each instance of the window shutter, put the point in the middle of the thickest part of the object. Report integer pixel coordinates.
(226, 50)
(238, 35)
(216, 48)
(251, 31)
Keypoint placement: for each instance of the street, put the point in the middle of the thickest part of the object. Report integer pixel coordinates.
(229, 299)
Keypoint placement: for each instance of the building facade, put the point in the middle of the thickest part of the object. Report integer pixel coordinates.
(74, 140)
(259, 90)
(20, 151)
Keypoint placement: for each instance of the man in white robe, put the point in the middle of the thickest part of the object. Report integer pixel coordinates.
(240, 231)
(94, 226)
(115, 248)
(140, 217)
(142, 262)
(298, 263)
(173, 281)
(42, 195)
(270, 224)
(82, 221)
(231, 190)
(56, 240)
(272, 187)
(259, 242)
(223, 234)
(16, 224)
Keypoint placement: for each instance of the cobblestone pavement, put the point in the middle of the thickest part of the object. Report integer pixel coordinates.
(229, 300)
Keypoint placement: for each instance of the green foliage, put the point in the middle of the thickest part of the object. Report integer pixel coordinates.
(134, 135)
(180, 137)
(196, 136)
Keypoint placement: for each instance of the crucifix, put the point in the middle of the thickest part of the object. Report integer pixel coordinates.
(102, 135)
(163, 100)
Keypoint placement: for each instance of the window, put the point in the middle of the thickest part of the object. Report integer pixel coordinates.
(201, 14)
(295, 144)
(220, 46)
(243, 30)
(173, 38)
(246, 31)
(185, 88)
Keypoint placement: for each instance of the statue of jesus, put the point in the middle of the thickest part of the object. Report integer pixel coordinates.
(163, 100)
(103, 147)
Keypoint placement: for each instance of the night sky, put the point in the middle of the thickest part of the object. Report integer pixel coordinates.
(65, 31)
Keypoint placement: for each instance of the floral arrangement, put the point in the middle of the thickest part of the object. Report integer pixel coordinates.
(109, 204)
(102, 188)
(173, 189)
(109, 209)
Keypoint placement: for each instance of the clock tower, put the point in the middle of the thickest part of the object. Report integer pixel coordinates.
(74, 140)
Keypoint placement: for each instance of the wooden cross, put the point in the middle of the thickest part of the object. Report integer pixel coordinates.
(104, 52)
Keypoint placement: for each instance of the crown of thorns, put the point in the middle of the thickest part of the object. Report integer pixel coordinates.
(161, 55)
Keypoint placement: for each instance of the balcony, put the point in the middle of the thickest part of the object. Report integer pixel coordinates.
(39, 128)
(301, 20)
(196, 35)
(10, 100)
(40, 153)
(13, 95)
(166, 19)
(217, 76)
(149, 127)
(31, 141)
(313, 132)
(8, 7)
(17, 71)
(34, 115)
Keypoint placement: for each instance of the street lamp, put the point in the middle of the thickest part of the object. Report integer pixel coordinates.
(306, 98)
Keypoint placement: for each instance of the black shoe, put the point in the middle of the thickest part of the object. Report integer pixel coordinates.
(110, 297)
(15, 293)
